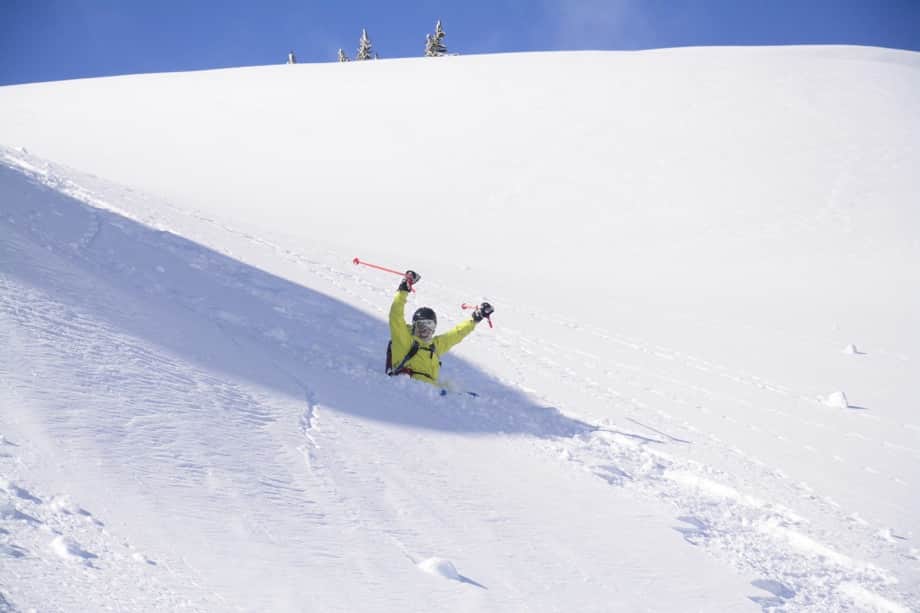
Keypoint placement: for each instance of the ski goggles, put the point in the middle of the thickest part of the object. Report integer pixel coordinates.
(424, 328)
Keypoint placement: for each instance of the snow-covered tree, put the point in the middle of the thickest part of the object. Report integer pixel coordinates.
(343, 57)
(365, 50)
(434, 45)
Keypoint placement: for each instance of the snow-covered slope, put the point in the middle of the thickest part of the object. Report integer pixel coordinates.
(681, 245)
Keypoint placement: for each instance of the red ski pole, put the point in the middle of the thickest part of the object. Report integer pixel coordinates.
(357, 261)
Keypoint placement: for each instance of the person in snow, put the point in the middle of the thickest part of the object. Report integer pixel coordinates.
(414, 349)
(291, 59)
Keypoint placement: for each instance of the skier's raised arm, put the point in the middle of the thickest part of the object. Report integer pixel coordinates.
(399, 331)
(445, 341)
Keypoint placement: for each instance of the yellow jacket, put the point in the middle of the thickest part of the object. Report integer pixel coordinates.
(425, 365)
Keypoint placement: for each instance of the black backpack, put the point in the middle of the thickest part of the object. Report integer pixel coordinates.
(396, 371)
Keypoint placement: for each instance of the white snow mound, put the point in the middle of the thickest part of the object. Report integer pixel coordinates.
(837, 400)
(69, 549)
(63, 503)
(441, 567)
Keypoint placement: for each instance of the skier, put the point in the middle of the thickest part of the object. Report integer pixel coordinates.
(414, 349)
(291, 58)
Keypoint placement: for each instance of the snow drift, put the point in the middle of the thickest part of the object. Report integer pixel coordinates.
(677, 242)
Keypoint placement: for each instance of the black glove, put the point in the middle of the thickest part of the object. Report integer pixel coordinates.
(483, 311)
(412, 278)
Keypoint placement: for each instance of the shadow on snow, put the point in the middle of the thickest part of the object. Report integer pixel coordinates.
(235, 320)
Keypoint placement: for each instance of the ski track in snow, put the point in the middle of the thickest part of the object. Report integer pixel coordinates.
(719, 509)
(817, 556)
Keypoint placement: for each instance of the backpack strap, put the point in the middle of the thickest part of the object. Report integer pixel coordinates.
(412, 351)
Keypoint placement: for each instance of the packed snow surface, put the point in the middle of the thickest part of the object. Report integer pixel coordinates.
(678, 243)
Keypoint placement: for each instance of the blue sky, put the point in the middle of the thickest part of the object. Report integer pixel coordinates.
(47, 40)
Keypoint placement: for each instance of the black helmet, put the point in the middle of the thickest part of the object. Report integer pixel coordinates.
(424, 313)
